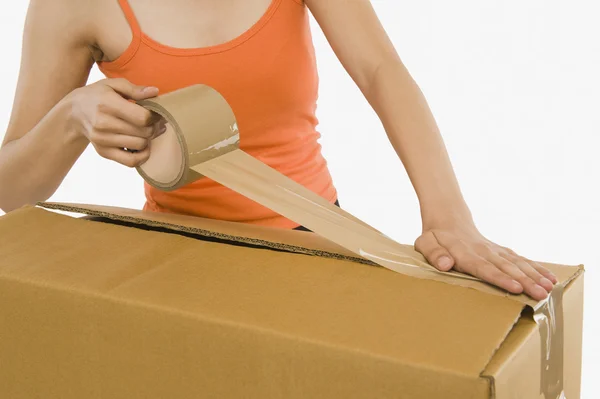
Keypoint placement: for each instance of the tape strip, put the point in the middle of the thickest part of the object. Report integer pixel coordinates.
(202, 139)
(550, 320)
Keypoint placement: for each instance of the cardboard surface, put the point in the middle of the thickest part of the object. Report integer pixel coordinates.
(97, 310)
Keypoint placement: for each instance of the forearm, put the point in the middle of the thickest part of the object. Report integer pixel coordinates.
(414, 134)
(33, 166)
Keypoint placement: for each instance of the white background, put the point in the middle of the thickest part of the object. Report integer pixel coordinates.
(515, 88)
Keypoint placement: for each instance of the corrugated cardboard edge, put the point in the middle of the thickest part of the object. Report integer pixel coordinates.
(579, 270)
(268, 238)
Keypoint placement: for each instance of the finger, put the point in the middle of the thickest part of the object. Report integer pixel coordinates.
(529, 270)
(105, 123)
(435, 254)
(132, 113)
(537, 266)
(120, 141)
(160, 128)
(543, 271)
(130, 159)
(479, 267)
(129, 90)
(520, 273)
(469, 262)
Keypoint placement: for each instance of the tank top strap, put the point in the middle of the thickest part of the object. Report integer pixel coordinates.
(130, 16)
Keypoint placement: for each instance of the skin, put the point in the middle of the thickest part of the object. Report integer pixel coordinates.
(54, 119)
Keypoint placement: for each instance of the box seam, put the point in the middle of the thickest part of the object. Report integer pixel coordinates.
(207, 233)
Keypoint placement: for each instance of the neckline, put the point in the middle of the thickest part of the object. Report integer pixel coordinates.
(140, 37)
(217, 48)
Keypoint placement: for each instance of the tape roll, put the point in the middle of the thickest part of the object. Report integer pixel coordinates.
(200, 126)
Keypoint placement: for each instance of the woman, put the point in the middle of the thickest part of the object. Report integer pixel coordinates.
(259, 55)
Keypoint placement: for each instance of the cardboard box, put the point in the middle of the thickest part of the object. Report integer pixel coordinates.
(167, 306)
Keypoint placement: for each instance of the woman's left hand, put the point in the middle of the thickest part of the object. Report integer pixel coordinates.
(460, 246)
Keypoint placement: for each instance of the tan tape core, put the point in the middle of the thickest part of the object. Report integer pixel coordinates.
(203, 141)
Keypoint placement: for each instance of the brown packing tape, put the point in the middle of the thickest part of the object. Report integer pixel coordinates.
(203, 141)
(549, 317)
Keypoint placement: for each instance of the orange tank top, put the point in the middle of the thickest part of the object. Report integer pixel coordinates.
(269, 77)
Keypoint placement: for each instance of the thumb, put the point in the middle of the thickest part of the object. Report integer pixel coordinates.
(129, 90)
(435, 254)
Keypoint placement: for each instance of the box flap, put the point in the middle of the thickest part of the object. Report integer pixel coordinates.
(250, 235)
(334, 303)
(281, 239)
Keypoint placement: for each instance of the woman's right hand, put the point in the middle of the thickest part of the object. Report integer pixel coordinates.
(119, 129)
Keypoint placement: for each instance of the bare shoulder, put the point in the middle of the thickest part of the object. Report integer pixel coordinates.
(68, 20)
(110, 32)
(77, 23)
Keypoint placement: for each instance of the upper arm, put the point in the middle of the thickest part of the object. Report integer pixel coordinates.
(55, 60)
(356, 35)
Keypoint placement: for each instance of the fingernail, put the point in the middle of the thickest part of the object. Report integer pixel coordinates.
(554, 278)
(161, 126)
(444, 262)
(539, 291)
(149, 89)
(516, 286)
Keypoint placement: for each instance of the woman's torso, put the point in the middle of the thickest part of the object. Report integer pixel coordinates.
(259, 55)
